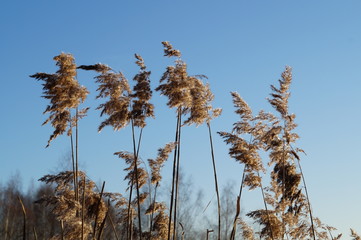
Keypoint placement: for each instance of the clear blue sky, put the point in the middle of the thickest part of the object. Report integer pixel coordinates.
(240, 45)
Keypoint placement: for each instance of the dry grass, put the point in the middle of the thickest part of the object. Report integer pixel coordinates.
(287, 211)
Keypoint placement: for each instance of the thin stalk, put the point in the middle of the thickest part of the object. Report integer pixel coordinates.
(129, 225)
(182, 230)
(82, 211)
(215, 180)
(76, 151)
(102, 225)
(112, 224)
(233, 233)
(34, 233)
(73, 164)
(62, 229)
(265, 206)
(238, 210)
(151, 216)
(97, 211)
(308, 200)
(329, 232)
(173, 176)
(139, 140)
(136, 180)
(129, 235)
(24, 217)
(283, 189)
(177, 180)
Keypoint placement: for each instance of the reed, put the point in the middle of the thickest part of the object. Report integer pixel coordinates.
(190, 96)
(65, 95)
(80, 207)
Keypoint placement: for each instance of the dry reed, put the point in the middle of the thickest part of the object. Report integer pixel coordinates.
(287, 212)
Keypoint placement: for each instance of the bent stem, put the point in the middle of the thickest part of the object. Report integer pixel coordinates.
(215, 180)
(233, 233)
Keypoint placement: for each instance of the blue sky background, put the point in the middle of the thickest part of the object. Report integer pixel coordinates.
(240, 45)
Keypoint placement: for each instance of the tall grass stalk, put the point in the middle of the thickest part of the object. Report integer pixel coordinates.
(129, 226)
(112, 224)
(82, 210)
(102, 225)
(136, 180)
(178, 126)
(308, 199)
(97, 211)
(177, 180)
(73, 166)
(62, 230)
(152, 214)
(238, 207)
(215, 179)
(76, 151)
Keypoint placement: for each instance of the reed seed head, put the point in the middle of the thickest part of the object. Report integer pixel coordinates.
(64, 92)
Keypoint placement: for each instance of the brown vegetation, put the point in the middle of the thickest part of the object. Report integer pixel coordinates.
(70, 206)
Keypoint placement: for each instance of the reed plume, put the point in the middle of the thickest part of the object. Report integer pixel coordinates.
(141, 107)
(66, 209)
(247, 231)
(156, 166)
(65, 94)
(189, 95)
(354, 235)
(246, 143)
(125, 106)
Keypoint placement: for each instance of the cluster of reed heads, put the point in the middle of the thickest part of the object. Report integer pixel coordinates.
(83, 209)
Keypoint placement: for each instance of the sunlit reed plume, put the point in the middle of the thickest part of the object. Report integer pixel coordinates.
(64, 92)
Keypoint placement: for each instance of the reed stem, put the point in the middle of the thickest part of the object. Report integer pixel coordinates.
(73, 164)
(308, 200)
(97, 211)
(82, 210)
(112, 224)
(215, 180)
(62, 229)
(76, 152)
(174, 174)
(136, 180)
(177, 180)
(238, 211)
